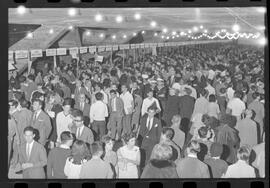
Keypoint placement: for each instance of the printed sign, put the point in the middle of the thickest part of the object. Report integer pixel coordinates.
(83, 50)
(92, 49)
(51, 52)
(21, 54)
(36, 53)
(74, 50)
(61, 51)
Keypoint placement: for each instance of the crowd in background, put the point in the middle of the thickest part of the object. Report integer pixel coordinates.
(187, 112)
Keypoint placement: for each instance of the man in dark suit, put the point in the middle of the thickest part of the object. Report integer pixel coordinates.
(41, 122)
(32, 156)
(186, 106)
(149, 134)
(82, 105)
(78, 128)
(116, 111)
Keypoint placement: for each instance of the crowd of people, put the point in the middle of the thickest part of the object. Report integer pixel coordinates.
(187, 112)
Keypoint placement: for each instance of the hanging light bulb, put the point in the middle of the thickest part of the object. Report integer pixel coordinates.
(153, 24)
(182, 33)
(137, 16)
(134, 34)
(70, 27)
(29, 35)
(189, 31)
(164, 30)
(98, 18)
(72, 12)
(195, 29)
(124, 36)
(205, 31)
(101, 35)
(119, 19)
(174, 33)
(88, 33)
(262, 41)
(155, 34)
(143, 32)
(168, 38)
(51, 31)
(113, 37)
(201, 26)
(162, 37)
(21, 10)
(235, 27)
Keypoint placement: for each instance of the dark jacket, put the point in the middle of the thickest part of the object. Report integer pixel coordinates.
(159, 169)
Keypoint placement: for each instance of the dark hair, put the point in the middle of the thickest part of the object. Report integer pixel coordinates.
(31, 77)
(168, 132)
(65, 136)
(244, 153)
(24, 103)
(127, 137)
(255, 95)
(106, 139)
(238, 94)
(67, 101)
(202, 132)
(99, 96)
(204, 92)
(222, 90)
(96, 147)
(99, 85)
(29, 128)
(228, 119)
(79, 152)
(113, 91)
(212, 98)
(77, 113)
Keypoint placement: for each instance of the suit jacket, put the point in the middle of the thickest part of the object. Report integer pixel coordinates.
(86, 108)
(186, 105)
(119, 106)
(149, 138)
(38, 158)
(32, 86)
(43, 125)
(86, 135)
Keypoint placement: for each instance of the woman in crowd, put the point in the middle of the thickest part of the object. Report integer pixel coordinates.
(80, 154)
(128, 157)
(160, 166)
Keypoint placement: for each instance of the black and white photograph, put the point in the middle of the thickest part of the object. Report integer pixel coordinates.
(136, 93)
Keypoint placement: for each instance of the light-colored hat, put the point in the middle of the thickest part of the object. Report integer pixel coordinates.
(145, 76)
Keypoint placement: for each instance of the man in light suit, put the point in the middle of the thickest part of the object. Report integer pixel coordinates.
(32, 156)
(41, 122)
(116, 111)
(81, 132)
(149, 133)
(82, 105)
(79, 90)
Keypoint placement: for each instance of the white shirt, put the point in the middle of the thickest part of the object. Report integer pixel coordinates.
(98, 111)
(210, 89)
(240, 169)
(29, 149)
(62, 123)
(237, 106)
(230, 93)
(147, 103)
(37, 113)
(128, 102)
(149, 124)
(211, 74)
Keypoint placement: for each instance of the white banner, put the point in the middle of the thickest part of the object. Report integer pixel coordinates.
(133, 46)
(101, 48)
(92, 49)
(61, 51)
(74, 50)
(83, 50)
(115, 47)
(36, 53)
(141, 45)
(51, 52)
(21, 54)
(99, 58)
(109, 48)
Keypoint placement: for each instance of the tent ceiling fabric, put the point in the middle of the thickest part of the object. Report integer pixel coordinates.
(179, 19)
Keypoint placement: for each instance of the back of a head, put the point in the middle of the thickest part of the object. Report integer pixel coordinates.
(161, 151)
(66, 136)
(80, 151)
(228, 119)
(243, 153)
(212, 98)
(96, 148)
(99, 96)
(202, 132)
(194, 146)
(77, 113)
(216, 150)
(67, 101)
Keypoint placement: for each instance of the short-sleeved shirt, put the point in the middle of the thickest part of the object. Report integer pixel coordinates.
(237, 106)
